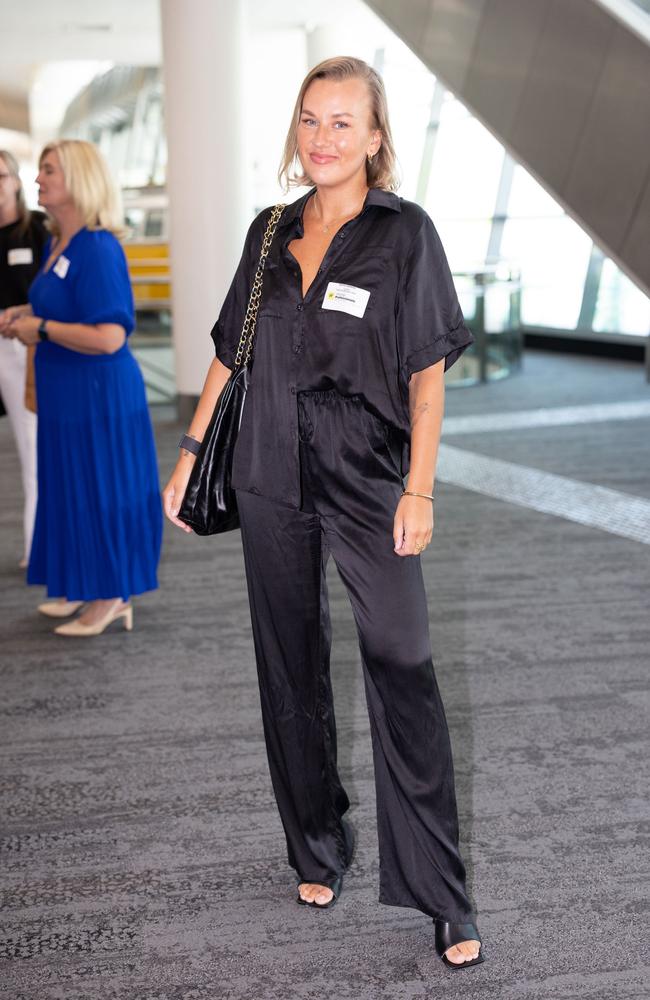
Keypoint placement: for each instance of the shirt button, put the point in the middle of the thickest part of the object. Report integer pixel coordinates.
(300, 307)
(293, 390)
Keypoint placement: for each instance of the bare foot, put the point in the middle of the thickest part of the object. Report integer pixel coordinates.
(463, 952)
(95, 611)
(311, 892)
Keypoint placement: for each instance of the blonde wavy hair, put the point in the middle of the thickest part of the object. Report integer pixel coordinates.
(89, 184)
(382, 172)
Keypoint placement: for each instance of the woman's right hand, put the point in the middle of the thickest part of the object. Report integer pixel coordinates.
(174, 491)
(7, 316)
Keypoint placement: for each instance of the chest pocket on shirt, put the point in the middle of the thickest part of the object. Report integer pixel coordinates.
(364, 268)
(274, 302)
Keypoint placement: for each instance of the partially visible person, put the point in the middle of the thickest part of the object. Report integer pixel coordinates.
(22, 239)
(98, 519)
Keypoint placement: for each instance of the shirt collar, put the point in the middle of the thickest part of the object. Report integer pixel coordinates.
(375, 196)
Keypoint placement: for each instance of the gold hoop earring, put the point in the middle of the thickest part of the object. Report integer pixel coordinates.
(370, 157)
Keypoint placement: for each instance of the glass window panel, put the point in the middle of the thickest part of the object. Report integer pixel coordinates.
(553, 255)
(409, 89)
(529, 199)
(466, 166)
(621, 306)
(134, 219)
(465, 241)
(497, 306)
(160, 168)
(643, 4)
(467, 292)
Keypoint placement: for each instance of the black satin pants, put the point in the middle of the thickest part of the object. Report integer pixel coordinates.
(350, 489)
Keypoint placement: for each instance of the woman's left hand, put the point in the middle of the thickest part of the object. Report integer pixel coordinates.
(25, 328)
(413, 525)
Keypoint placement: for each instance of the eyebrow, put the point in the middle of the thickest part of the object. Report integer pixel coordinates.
(337, 114)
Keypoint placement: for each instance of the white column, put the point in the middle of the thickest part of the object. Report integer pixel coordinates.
(325, 42)
(206, 173)
(335, 38)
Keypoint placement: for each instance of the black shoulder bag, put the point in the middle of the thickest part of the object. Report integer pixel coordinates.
(210, 505)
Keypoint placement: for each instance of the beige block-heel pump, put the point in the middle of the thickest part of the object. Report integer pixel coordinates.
(79, 630)
(59, 609)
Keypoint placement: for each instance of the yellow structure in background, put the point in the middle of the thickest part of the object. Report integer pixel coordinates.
(150, 276)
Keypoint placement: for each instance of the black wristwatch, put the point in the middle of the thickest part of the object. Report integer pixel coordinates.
(189, 444)
(42, 332)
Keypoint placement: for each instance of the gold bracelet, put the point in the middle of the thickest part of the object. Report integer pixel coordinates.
(410, 493)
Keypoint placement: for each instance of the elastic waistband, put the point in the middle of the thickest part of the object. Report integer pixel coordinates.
(57, 354)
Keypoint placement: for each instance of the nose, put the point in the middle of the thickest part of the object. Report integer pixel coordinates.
(320, 137)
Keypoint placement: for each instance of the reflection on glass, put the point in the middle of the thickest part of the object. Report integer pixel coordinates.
(490, 300)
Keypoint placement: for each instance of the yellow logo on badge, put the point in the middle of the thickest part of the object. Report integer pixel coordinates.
(331, 295)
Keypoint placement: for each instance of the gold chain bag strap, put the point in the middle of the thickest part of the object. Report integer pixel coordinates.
(210, 505)
(245, 348)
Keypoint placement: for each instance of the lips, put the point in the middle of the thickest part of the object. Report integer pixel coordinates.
(320, 158)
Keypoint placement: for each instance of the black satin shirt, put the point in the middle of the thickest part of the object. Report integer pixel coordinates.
(412, 320)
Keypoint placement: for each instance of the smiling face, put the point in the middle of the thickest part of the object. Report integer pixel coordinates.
(335, 133)
(52, 191)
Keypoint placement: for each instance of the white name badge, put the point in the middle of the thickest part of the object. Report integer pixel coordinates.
(346, 298)
(61, 266)
(20, 255)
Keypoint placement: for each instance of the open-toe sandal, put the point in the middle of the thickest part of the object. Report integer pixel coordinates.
(447, 935)
(335, 887)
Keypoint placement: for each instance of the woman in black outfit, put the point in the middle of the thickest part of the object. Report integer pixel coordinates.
(358, 321)
(22, 238)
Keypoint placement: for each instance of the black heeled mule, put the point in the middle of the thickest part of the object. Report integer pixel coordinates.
(447, 935)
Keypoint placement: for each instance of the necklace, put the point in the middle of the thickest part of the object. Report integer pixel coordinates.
(330, 224)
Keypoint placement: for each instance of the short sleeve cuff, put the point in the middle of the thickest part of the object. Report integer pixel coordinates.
(450, 347)
(225, 354)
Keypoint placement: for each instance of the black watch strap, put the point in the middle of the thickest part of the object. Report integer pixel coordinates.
(42, 332)
(189, 444)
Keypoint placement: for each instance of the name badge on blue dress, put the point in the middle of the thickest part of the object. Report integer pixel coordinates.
(61, 266)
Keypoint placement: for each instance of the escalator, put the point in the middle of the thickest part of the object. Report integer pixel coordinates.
(565, 87)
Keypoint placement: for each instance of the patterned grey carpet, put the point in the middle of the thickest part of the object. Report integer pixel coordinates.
(140, 851)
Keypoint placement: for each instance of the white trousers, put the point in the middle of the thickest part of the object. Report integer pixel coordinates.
(13, 360)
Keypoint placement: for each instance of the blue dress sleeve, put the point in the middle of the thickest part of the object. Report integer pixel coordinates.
(102, 288)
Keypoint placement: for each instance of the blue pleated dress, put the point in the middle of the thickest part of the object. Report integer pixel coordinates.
(98, 523)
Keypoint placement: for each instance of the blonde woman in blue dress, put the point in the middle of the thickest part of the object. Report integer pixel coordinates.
(98, 520)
